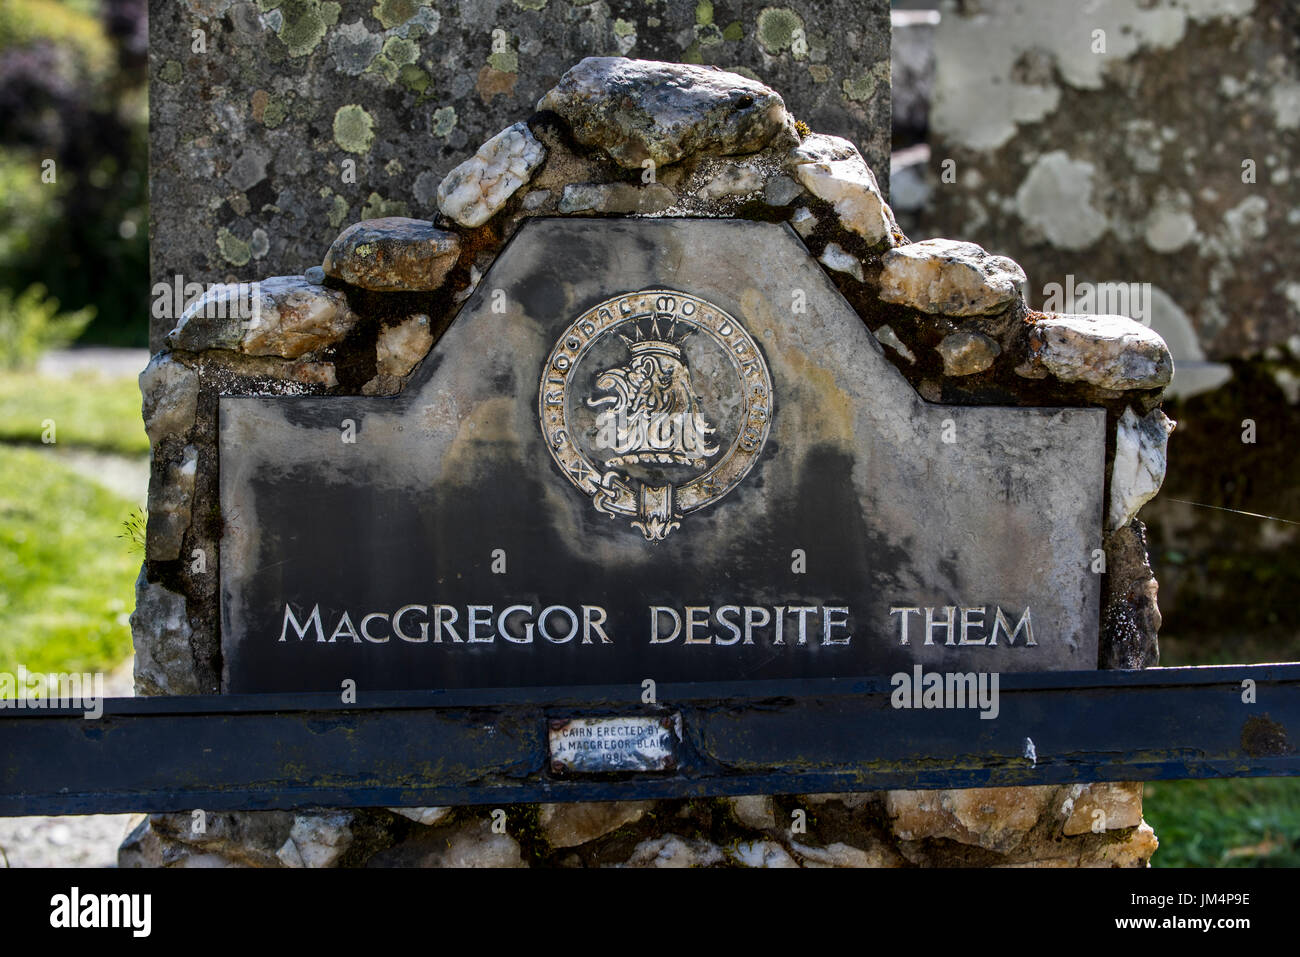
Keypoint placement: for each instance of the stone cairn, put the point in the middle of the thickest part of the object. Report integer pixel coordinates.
(622, 137)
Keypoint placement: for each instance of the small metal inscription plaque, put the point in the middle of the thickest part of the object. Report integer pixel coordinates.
(631, 743)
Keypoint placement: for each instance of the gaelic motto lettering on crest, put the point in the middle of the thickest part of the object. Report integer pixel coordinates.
(635, 427)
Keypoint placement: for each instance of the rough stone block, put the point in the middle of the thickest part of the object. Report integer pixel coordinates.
(568, 825)
(394, 254)
(639, 110)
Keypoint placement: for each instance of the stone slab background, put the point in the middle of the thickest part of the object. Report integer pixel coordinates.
(1172, 158)
(257, 122)
(1126, 163)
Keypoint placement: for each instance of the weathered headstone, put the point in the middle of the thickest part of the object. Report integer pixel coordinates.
(721, 423)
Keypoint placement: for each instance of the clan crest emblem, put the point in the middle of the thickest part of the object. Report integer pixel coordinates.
(655, 404)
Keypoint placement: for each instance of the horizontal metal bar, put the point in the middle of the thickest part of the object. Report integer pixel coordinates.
(430, 748)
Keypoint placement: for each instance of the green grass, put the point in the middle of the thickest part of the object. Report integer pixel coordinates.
(66, 575)
(93, 412)
(1242, 822)
(1235, 822)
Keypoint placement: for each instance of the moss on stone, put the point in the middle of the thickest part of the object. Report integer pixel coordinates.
(398, 54)
(338, 212)
(708, 36)
(393, 13)
(862, 87)
(354, 128)
(305, 23)
(692, 53)
(704, 12)
(275, 112)
(233, 249)
(776, 28)
(377, 207)
(171, 72)
(401, 50)
(624, 28)
(444, 121)
(530, 4)
(733, 31)
(506, 61)
(859, 88)
(417, 81)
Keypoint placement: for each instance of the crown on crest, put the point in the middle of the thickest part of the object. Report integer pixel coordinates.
(653, 340)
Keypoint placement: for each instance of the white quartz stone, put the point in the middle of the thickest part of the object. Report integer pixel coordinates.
(1140, 462)
(473, 192)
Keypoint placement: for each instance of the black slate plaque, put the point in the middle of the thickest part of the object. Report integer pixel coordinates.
(652, 449)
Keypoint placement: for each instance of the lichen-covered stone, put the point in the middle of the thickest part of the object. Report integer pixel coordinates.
(1131, 611)
(434, 80)
(781, 190)
(822, 148)
(393, 254)
(840, 854)
(170, 502)
(754, 810)
(852, 800)
(170, 392)
(1109, 352)
(616, 198)
(768, 854)
(214, 839)
(1113, 167)
(317, 840)
(1140, 462)
(846, 183)
(639, 110)
(471, 843)
(474, 191)
(950, 278)
(803, 221)
(568, 825)
(836, 257)
(428, 816)
(889, 337)
(992, 818)
(735, 180)
(672, 851)
(967, 353)
(1136, 851)
(286, 316)
(401, 346)
(1094, 808)
(160, 628)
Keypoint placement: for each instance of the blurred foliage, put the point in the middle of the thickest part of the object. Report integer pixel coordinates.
(73, 89)
(1243, 822)
(66, 578)
(99, 413)
(30, 324)
(73, 27)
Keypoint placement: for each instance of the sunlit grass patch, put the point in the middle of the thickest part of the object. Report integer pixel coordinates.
(91, 411)
(66, 573)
